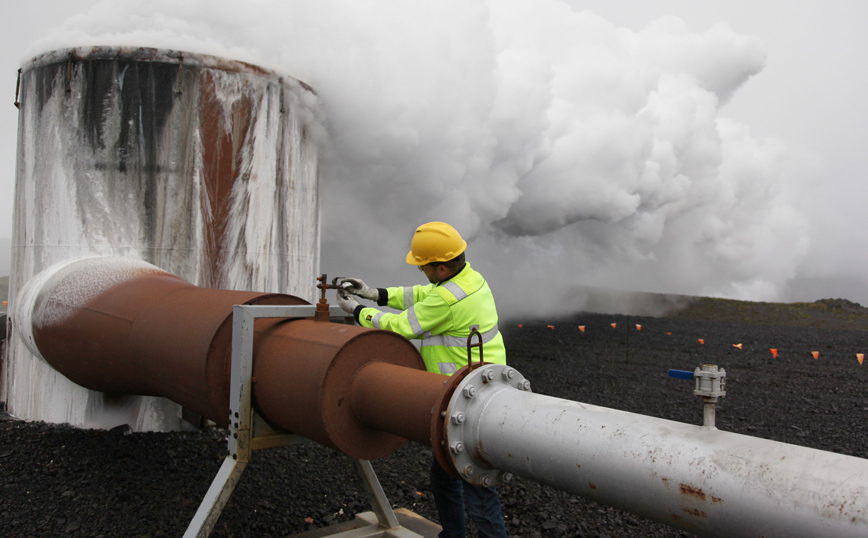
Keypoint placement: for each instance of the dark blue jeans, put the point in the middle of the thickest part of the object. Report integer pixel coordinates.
(482, 503)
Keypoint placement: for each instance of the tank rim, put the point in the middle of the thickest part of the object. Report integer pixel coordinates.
(151, 54)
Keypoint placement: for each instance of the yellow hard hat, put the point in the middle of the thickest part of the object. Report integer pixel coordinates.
(435, 242)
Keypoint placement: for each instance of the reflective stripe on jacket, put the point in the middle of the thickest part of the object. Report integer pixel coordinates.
(442, 316)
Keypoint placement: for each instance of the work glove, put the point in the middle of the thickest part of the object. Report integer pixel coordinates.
(357, 287)
(347, 302)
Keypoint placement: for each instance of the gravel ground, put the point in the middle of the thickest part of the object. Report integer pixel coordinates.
(58, 481)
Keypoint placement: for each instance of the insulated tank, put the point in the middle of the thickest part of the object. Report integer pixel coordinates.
(202, 166)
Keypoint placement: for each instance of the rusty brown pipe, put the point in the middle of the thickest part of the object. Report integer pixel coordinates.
(390, 398)
(308, 375)
(122, 325)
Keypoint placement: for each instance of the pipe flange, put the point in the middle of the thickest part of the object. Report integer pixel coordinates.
(468, 457)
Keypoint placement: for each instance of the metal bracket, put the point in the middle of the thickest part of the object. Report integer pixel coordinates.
(474, 331)
(17, 103)
(249, 432)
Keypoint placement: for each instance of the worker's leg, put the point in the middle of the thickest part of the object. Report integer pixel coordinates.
(449, 498)
(484, 506)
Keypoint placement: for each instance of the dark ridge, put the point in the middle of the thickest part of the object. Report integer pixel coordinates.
(825, 313)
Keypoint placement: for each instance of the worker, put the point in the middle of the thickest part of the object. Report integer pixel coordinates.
(442, 315)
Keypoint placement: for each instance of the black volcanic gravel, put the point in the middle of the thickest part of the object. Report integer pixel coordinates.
(60, 481)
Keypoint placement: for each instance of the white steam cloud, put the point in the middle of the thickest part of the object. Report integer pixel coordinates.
(567, 151)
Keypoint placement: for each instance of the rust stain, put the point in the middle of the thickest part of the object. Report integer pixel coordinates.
(692, 491)
(592, 485)
(695, 512)
(716, 499)
(481, 453)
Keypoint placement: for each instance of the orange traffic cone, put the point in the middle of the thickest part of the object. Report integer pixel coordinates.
(860, 357)
(774, 353)
(701, 341)
(815, 354)
(737, 345)
(638, 327)
(582, 328)
(614, 325)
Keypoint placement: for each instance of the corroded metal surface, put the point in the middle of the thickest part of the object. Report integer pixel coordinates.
(304, 374)
(143, 331)
(394, 399)
(123, 326)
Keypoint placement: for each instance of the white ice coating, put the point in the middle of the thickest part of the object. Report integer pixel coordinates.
(56, 293)
(98, 186)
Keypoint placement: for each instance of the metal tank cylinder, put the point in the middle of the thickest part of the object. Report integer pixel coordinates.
(202, 166)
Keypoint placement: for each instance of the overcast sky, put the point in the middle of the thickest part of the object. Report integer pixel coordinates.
(808, 97)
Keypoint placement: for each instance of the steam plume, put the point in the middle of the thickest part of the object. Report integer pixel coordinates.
(568, 151)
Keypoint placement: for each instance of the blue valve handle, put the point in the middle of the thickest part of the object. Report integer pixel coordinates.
(681, 374)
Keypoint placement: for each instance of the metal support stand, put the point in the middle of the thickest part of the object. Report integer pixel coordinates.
(249, 432)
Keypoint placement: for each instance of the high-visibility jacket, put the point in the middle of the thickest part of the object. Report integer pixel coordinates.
(442, 316)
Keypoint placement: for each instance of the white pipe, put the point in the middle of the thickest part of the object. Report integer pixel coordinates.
(702, 480)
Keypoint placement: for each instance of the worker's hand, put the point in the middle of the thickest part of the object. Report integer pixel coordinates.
(357, 287)
(347, 301)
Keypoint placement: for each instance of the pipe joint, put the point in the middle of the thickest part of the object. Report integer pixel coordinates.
(467, 453)
(710, 381)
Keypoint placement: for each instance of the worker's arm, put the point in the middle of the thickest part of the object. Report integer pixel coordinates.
(430, 315)
(400, 297)
(403, 297)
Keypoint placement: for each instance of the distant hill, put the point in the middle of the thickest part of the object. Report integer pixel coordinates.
(825, 313)
(822, 314)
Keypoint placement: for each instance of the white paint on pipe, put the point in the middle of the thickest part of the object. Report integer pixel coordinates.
(705, 481)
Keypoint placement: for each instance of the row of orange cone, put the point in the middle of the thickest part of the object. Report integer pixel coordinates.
(816, 354)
